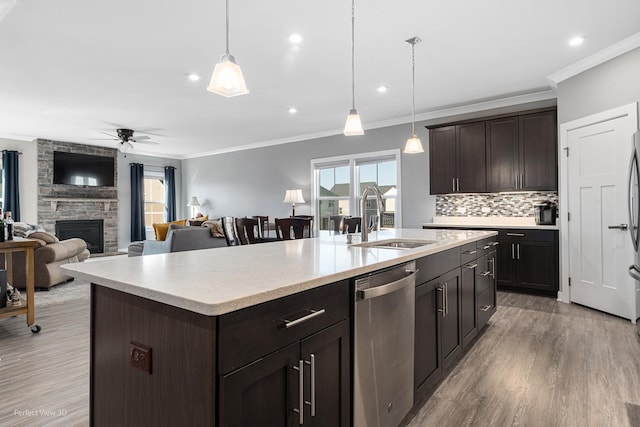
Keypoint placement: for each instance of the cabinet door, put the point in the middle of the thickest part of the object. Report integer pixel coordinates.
(502, 154)
(487, 295)
(264, 392)
(537, 266)
(442, 160)
(538, 152)
(427, 361)
(327, 377)
(471, 151)
(468, 301)
(506, 265)
(451, 331)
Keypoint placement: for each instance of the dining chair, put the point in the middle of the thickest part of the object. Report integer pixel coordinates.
(335, 223)
(246, 230)
(298, 225)
(229, 231)
(263, 224)
(351, 224)
(306, 217)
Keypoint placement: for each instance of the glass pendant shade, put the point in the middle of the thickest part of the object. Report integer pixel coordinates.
(227, 79)
(353, 126)
(413, 145)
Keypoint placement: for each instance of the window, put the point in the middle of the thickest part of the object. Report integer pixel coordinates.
(339, 182)
(154, 198)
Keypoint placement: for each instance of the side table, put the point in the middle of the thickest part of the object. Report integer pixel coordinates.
(28, 306)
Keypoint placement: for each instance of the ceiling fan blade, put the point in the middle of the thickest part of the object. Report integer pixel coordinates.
(110, 134)
(146, 141)
(141, 138)
(103, 139)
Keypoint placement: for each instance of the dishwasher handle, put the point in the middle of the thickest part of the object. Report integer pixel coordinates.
(388, 288)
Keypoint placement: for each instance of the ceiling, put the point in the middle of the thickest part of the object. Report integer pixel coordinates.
(71, 69)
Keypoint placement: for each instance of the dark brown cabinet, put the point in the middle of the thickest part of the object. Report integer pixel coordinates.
(438, 339)
(528, 261)
(268, 391)
(522, 153)
(468, 319)
(456, 159)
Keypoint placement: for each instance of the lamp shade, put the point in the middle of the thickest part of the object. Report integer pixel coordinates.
(194, 201)
(413, 145)
(227, 79)
(293, 196)
(353, 126)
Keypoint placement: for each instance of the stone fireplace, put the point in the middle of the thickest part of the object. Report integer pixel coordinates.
(63, 204)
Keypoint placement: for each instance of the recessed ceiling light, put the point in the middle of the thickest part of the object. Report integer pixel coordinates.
(295, 38)
(382, 89)
(576, 41)
(193, 77)
(292, 110)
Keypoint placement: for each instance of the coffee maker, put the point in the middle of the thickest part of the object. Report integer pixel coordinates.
(545, 213)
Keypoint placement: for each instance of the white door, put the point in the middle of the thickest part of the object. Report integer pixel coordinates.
(600, 250)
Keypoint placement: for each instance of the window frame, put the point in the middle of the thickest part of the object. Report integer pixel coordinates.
(354, 192)
(150, 174)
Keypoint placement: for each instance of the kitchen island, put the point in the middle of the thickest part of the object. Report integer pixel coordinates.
(206, 337)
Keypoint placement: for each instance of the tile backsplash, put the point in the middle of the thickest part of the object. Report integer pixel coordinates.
(492, 204)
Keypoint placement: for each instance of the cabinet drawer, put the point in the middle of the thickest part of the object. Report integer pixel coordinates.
(533, 235)
(486, 306)
(484, 277)
(435, 265)
(484, 246)
(248, 334)
(468, 253)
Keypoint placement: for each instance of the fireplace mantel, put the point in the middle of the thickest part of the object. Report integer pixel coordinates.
(55, 200)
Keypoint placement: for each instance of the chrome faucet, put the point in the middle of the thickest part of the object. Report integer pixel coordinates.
(364, 226)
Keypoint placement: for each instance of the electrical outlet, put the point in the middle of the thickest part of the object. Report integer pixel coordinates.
(140, 356)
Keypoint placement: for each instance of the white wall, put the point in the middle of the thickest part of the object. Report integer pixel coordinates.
(28, 167)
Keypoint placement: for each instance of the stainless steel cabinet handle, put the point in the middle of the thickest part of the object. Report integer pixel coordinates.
(521, 181)
(618, 227)
(314, 313)
(312, 364)
(471, 266)
(300, 411)
(516, 182)
(485, 308)
(458, 184)
(493, 266)
(446, 298)
(486, 247)
(516, 234)
(493, 243)
(513, 251)
(441, 310)
(518, 250)
(469, 252)
(485, 273)
(453, 184)
(385, 289)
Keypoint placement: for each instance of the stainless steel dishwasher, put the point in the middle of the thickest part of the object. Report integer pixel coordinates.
(384, 322)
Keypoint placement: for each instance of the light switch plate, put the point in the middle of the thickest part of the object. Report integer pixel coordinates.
(140, 356)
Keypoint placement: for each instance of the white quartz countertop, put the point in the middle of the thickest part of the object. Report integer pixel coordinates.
(221, 280)
(487, 222)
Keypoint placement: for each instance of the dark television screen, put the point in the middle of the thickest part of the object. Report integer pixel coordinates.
(83, 169)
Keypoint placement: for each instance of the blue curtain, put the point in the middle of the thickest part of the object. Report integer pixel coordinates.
(138, 231)
(170, 192)
(10, 183)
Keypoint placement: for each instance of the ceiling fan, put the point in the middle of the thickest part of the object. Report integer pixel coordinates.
(125, 138)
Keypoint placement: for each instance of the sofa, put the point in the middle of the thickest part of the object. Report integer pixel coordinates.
(49, 255)
(179, 238)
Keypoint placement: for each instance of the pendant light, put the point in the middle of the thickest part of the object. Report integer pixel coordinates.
(353, 126)
(227, 77)
(413, 145)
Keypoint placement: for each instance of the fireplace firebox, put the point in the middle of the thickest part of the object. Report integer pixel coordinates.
(89, 230)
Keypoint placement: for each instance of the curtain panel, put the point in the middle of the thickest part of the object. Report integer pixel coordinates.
(10, 183)
(138, 231)
(170, 193)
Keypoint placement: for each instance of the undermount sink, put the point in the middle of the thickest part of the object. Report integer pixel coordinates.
(397, 244)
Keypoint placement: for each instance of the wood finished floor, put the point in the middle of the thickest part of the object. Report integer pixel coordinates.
(539, 363)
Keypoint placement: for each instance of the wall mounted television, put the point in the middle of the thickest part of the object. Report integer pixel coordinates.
(84, 170)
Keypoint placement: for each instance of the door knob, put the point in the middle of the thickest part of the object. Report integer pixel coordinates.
(618, 227)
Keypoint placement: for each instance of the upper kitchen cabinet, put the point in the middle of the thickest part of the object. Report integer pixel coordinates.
(456, 159)
(522, 153)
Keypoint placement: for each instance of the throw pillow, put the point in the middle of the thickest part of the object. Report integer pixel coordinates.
(162, 228)
(22, 229)
(215, 227)
(44, 236)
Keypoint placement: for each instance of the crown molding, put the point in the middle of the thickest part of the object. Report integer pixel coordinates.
(594, 60)
(446, 112)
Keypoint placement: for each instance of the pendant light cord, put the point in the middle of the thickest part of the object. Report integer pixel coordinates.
(413, 88)
(227, 51)
(353, 67)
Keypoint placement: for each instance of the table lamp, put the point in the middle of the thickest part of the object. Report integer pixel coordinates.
(293, 197)
(193, 203)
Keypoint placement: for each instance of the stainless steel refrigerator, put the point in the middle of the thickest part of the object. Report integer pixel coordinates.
(634, 211)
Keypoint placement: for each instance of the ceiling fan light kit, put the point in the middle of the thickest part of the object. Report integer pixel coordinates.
(413, 144)
(353, 125)
(227, 79)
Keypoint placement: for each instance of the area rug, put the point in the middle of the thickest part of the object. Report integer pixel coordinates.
(66, 292)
